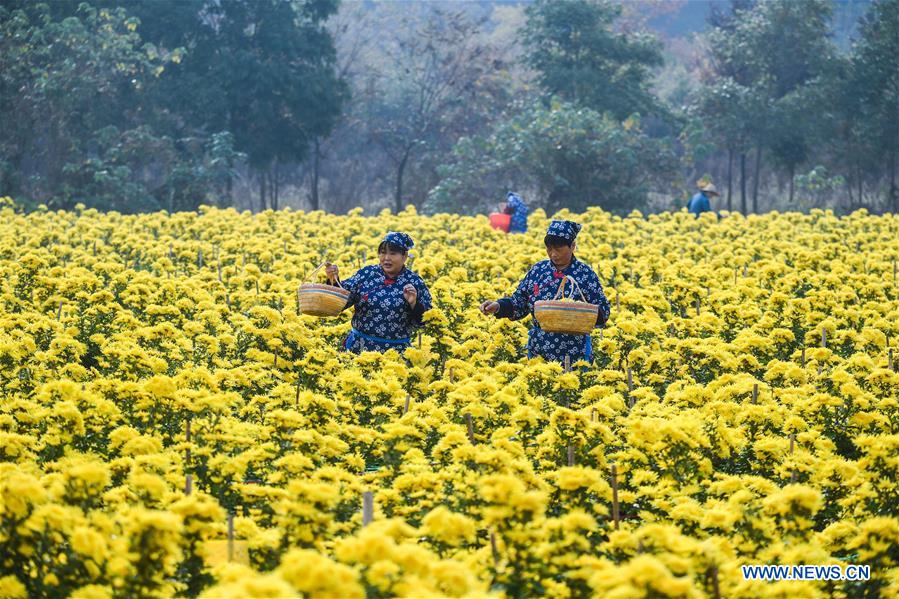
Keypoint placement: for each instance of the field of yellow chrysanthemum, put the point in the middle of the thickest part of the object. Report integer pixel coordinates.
(743, 394)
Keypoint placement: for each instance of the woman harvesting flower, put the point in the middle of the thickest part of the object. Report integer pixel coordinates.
(390, 299)
(542, 283)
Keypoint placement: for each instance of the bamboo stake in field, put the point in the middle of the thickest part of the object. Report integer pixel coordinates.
(755, 393)
(470, 428)
(716, 589)
(792, 444)
(200, 258)
(187, 455)
(615, 512)
(230, 536)
(188, 484)
(406, 405)
(59, 312)
(493, 548)
(698, 302)
(368, 508)
(570, 454)
(630, 388)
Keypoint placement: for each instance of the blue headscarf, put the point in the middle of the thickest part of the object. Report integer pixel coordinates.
(565, 229)
(400, 239)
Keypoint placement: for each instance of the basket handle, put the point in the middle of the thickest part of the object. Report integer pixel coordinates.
(318, 268)
(561, 290)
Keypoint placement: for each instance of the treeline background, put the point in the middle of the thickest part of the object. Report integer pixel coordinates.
(135, 105)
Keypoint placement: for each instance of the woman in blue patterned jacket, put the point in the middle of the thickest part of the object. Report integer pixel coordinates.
(542, 283)
(390, 299)
(519, 211)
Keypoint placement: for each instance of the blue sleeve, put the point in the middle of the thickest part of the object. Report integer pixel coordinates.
(423, 303)
(516, 306)
(599, 298)
(352, 285)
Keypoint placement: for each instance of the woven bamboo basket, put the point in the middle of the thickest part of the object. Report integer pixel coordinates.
(322, 300)
(566, 316)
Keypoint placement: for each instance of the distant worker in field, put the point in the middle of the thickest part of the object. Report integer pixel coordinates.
(700, 202)
(543, 282)
(516, 207)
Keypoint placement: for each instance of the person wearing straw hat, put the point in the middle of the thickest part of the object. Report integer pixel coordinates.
(542, 282)
(700, 202)
(389, 299)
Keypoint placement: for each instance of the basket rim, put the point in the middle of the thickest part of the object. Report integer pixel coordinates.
(561, 304)
(323, 287)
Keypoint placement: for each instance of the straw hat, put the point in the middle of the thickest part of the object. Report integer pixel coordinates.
(709, 188)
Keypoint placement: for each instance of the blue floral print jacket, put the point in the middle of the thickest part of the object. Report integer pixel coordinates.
(542, 283)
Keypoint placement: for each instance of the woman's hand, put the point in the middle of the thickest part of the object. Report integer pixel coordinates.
(410, 294)
(331, 271)
(489, 307)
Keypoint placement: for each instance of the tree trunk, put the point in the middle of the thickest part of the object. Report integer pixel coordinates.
(893, 192)
(849, 184)
(276, 187)
(743, 182)
(399, 180)
(261, 190)
(755, 182)
(792, 176)
(861, 201)
(316, 157)
(730, 177)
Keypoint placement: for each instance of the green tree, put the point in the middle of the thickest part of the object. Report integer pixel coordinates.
(65, 90)
(726, 103)
(580, 58)
(574, 157)
(875, 83)
(262, 70)
(441, 82)
(82, 117)
(793, 58)
(771, 60)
